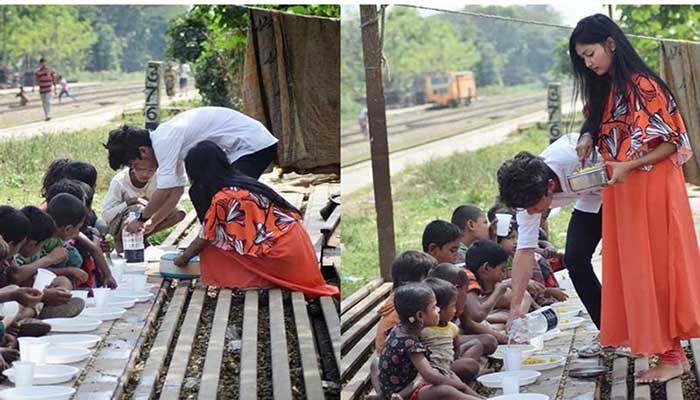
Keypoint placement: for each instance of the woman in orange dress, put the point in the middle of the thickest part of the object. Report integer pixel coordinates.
(651, 283)
(251, 236)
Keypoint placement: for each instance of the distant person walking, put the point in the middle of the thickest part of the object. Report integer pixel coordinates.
(363, 120)
(184, 71)
(170, 76)
(64, 89)
(46, 79)
(23, 99)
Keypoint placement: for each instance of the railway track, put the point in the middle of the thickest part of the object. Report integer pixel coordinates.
(445, 116)
(93, 96)
(428, 113)
(420, 128)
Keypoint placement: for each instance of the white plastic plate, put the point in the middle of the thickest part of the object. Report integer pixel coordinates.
(77, 324)
(551, 334)
(47, 374)
(527, 349)
(108, 313)
(570, 323)
(521, 396)
(495, 380)
(549, 361)
(38, 393)
(79, 341)
(66, 355)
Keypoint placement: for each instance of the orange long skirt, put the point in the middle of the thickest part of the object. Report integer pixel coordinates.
(651, 283)
(291, 264)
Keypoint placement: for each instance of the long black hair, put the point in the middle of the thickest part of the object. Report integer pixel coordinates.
(209, 171)
(595, 89)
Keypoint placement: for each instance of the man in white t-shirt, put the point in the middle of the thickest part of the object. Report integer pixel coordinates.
(250, 148)
(535, 184)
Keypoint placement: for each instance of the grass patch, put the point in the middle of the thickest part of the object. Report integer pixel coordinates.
(23, 162)
(431, 191)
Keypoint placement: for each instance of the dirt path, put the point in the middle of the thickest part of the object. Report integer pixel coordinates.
(90, 119)
(359, 176)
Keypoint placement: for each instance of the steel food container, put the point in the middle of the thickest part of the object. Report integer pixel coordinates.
(588, 179)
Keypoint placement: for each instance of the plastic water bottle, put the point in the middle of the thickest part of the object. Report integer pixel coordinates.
(133, 243)
(533, 324)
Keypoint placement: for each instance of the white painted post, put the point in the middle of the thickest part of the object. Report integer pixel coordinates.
(154, 78)
(554, 110)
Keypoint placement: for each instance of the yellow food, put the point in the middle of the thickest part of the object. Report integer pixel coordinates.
(537, 360)
(564, 321)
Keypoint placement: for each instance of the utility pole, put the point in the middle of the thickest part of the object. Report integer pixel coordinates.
(379, 146)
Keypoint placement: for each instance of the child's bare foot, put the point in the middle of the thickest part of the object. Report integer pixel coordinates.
(661, 373)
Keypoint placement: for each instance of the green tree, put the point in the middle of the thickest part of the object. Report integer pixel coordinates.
(664, 21)
(213, 38)
(490, 66)
(525, 51)
(106, 50)
(414, 46)
(54, 32)
(352, 71)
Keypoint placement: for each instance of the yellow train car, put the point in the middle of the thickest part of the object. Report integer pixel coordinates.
(450, 88)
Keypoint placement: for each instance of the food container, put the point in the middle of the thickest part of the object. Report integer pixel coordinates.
(588, 178)
(168, 269)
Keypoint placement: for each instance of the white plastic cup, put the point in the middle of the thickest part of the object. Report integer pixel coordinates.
(513, 358)
(511, 383)
(101, 296)
(24, 373)
(538, 342)
(503, 224)
(117, 269)
(33, 350)
(127, 282)
(10, 308)
(138, 283)
(25, 347)
(81, 294)
(43, 278)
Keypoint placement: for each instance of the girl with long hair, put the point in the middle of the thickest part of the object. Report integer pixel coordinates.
(651, 285)
(251, 236)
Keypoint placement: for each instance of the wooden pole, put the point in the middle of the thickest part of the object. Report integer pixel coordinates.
(152, 107)
(379, 145)
(554, 111)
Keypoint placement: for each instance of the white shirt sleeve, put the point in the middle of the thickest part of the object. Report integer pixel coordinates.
(112, 204)
(528, 229)
(171, 170)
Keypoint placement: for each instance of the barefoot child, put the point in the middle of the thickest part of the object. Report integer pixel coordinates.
(472, 221)
(128, 192)
(446, 352)
(404, 356)
(409, 267)
(441, 240)
(472, 345)
(487, 261)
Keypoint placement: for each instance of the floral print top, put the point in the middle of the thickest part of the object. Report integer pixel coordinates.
(244, 222)
(395, 367)
(633, 127)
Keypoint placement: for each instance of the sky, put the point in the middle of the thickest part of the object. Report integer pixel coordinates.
(571, 12)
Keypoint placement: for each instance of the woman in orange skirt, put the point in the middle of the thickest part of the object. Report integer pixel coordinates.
(251, 236)
(651, 283)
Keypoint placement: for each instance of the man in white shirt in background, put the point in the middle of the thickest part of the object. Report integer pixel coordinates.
(533, 185)
(250, 148)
